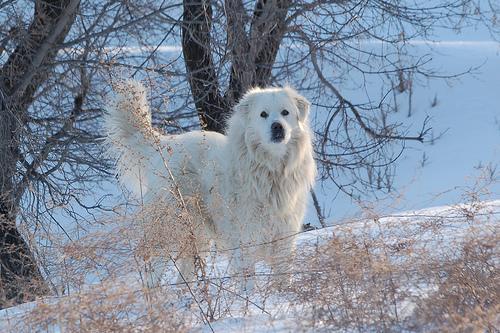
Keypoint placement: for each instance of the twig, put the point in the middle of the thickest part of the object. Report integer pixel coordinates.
(321, 217)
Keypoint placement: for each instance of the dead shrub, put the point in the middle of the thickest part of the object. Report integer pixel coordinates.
(467, 292)
(437, 273)
(347, 284)
(99, 278)
(106, 308)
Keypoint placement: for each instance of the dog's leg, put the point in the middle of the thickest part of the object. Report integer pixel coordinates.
(156, 269)
(244, 264)
(281, 257)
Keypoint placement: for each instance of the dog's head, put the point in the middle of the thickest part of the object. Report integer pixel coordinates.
(273, 117)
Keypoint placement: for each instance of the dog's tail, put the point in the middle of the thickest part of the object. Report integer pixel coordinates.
(130, 135)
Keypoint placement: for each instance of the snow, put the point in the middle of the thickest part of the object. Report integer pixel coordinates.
(454, 228)
(466, 119)
(467, 115)
(438, 228)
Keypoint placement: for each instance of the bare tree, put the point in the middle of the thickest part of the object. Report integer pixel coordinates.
(55, 65)
(21, 75)
(252, 54)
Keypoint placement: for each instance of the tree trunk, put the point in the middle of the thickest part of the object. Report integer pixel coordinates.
(268, 28)
(253, 54)
(20, 277)
(21, 75)
(210, 105)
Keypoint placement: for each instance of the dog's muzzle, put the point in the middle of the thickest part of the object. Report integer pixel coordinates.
(277, 132)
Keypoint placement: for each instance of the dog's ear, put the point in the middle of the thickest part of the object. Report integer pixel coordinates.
(242, 106)
(245, 102)
(301, 103)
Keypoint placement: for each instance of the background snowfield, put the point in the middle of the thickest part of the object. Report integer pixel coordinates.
(466, 119)
(442, 173)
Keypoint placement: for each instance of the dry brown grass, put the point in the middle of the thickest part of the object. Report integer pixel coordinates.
(116, 308)
(433, 274)
(99, 281)
(467, 290)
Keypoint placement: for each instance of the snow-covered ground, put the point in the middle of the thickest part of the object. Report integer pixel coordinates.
(440, 231)
(464, 115)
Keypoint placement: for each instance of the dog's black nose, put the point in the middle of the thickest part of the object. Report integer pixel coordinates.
(277, 127)
(277, 132)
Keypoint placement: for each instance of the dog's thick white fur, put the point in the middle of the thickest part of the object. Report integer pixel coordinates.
(252, 182)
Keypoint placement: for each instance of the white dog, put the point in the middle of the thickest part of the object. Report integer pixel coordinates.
(252, 183)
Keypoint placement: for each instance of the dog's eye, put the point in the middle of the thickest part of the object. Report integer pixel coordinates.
(263, 114)
(284, 113)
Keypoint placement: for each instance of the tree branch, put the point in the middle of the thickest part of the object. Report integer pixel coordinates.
(267, 30)
(242, 66)
(55, 34)
(352, 108)
(210, 105)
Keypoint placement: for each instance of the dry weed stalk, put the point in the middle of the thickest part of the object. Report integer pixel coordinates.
(100, 283)
(431, 272)
(102, 288)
